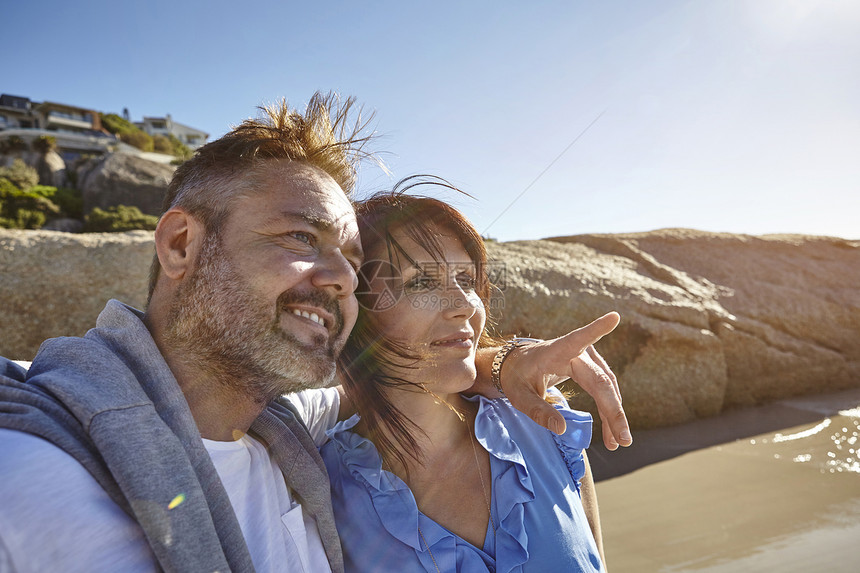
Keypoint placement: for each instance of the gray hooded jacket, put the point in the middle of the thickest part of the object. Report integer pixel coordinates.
(110, 401)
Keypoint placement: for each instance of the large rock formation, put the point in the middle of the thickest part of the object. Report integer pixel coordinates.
(709, 321)
(124, 179)
(55, 284)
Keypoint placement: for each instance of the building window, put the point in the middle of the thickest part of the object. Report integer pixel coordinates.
(71, 115)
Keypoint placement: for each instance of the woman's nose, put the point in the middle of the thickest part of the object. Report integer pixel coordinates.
(459, 303)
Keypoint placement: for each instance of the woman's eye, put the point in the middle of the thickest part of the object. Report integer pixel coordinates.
(421, 282)
(467, 282)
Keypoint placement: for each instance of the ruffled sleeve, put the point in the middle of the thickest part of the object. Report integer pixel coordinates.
(575, 439)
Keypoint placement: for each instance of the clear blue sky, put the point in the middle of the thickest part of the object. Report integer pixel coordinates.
(739, 116)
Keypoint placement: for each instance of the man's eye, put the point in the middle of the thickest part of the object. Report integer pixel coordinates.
(306, 238)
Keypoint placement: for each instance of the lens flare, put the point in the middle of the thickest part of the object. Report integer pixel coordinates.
(176, 501)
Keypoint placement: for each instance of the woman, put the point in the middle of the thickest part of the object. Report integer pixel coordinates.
(423, 478)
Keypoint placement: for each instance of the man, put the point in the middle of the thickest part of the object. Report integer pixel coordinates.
(158, 440)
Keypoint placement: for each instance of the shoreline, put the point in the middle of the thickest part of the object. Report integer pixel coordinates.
(659, 444)
(771, 488)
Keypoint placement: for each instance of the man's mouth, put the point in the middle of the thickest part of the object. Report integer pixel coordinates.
(310, 315)
(316, 307)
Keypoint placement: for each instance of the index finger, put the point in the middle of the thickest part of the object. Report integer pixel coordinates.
(576, 342)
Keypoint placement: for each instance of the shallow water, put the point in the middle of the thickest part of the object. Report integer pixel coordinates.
(784, 500)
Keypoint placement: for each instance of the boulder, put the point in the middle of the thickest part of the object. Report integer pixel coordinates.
(124, 179)
(709, 321)
(55, 284)
(51, 169)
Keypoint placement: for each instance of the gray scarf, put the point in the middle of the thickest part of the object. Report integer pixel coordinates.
(109, 400)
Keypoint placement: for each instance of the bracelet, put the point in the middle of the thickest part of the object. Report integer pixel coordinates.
(500, 356)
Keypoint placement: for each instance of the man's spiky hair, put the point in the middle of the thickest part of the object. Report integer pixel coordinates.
(325, 136)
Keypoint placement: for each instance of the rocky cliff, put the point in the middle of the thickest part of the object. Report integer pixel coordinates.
(709, 321)
(55, 284)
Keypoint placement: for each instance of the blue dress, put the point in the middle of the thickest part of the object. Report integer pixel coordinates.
(536, 505)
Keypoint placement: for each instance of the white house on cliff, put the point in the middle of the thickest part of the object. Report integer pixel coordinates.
(191, 137)
(78, 131)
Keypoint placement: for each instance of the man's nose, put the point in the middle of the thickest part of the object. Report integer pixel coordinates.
(334, 272)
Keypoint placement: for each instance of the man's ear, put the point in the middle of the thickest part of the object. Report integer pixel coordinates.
(178, 238)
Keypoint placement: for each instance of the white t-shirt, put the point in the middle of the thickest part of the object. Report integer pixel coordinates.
(55, 516)
(278, 534)
(318, 408)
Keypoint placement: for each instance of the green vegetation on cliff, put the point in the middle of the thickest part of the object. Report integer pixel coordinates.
(127, 131)
(136, 137)
(26, 205)
(20, 175)
(30, 209)
(118, 219)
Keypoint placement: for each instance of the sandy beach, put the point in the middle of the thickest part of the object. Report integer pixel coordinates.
(774, 488)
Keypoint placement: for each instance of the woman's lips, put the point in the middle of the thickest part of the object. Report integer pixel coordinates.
(463, 340)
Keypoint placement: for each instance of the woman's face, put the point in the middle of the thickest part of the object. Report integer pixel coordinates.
(436, 312)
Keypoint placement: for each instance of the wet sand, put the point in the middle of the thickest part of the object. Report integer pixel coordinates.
(775, 488)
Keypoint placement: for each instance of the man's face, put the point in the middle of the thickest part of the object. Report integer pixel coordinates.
(270, 302)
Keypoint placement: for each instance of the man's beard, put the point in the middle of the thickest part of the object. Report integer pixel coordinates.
(228, 333)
